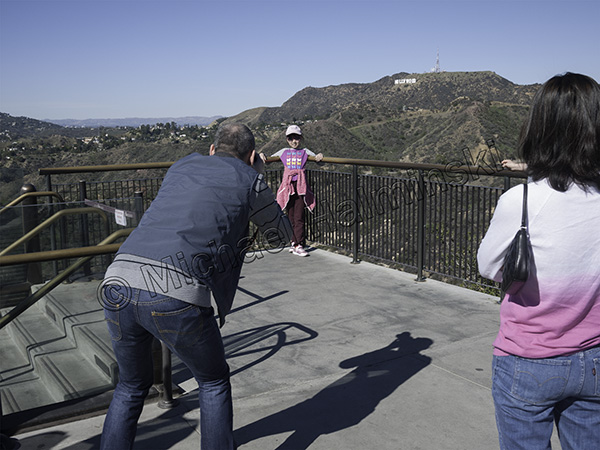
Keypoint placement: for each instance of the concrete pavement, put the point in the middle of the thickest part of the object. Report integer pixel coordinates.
(331, 355)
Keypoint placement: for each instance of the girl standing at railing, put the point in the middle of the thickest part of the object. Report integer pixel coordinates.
(295, 192)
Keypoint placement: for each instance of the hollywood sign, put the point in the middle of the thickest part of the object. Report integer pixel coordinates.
(406, 81)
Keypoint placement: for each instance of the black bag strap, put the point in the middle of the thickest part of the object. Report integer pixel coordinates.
(524, 213)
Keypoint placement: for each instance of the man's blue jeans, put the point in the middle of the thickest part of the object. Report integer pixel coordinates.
(529, 394)
(191, 332)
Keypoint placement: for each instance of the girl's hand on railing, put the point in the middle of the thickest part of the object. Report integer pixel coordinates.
(512, 165)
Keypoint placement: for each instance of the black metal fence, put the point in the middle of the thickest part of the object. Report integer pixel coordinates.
(408, 220)
(413, 222)
(99, 207)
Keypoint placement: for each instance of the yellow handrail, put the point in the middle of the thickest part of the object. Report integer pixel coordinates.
(473, 170)
(51, 255)
(103, 247)
(105, 168)
(49, 221)
(22, 197)
(328, 159)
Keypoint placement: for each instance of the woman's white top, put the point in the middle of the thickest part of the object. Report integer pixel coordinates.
(557, 312)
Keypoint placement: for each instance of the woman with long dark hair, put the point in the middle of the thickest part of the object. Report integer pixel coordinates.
(546, 363)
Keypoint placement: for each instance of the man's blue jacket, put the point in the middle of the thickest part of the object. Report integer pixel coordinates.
(193, 238)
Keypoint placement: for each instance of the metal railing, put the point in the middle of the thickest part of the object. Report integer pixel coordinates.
(68, 222)
(107, 246)
(83, 253)
(50, 221)
(28, 195)
(424, 218)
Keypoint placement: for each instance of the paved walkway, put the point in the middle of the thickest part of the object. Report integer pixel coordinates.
(329, 355)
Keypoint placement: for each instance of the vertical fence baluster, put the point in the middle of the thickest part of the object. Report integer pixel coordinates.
(84, 229)
(29, 222)
(420, 225)
(356, 214)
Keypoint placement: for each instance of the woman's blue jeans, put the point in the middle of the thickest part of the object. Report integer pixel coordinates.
(531, 394)
(191, 332)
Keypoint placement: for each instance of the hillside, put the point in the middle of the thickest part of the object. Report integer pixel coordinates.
(431, 91)
(431, 120)
(12, 128)
(442, 118)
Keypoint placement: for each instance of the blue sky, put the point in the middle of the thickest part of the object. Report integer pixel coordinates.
(170, 58)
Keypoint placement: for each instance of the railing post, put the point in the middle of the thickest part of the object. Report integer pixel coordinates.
(84, 225)
(52, 229)
(157, 360)
(166, 396)
(356, 227)
(506, 183)
(138, 205)
(30, 221)
(421, 195)
(161, 357)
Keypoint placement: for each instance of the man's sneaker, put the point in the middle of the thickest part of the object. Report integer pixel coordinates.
(292, 247)
(298, 250)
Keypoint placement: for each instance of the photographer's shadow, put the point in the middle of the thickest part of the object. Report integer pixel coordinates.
(347, 401)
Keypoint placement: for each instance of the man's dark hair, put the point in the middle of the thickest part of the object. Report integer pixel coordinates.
(561, 138)
(235, 139)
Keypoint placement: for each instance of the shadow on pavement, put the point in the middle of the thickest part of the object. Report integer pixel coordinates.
(347, 401)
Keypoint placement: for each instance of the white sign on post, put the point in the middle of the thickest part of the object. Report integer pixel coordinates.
(120, 217)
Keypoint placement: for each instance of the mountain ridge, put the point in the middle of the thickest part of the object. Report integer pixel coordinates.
(435, 117)
(429, 91)
(442, 118)
(133, 121)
